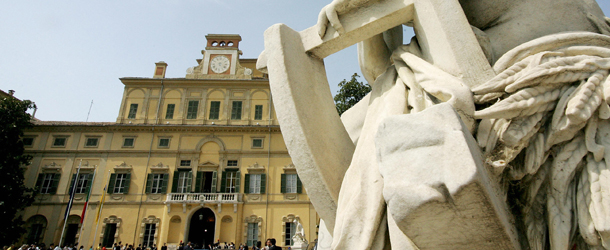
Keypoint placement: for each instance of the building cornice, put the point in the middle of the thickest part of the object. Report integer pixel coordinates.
(168, 82)
(116, 127)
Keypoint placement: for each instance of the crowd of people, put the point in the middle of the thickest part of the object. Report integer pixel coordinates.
(42, 246)
(269, 245)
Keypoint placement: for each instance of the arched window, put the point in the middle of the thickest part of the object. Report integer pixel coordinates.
(36, 227)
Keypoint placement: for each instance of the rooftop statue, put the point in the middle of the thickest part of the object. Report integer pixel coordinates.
(488, 130)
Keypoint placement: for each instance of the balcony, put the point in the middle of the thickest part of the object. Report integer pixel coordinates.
(215, 198)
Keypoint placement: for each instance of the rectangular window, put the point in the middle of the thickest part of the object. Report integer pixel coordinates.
(184, 181)
(191, 112)
(185, 163)
(133, 109)
(231, 181)
(149, 234)
(258, 112)
(164, 142)
(169, 113)
(214, 110)
(252, 234)
(157, 183)
(120, 184)
(290, 228)
(232, 163)
(129, 142)
(91, 142)
(257, 143)
(59, 141)
(28, 141)
(291, 183)
(255, 184)
(236, 110)
(83, 183)
(47, 183)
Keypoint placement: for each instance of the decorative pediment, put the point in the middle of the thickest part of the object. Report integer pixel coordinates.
(256, 168)
(159, 167)
(123, 167)
(290, 169)
(253, 219)
(113, 220)
(85, 166)
(52, 166)
(291, 218)
(208, 164)
(151, 220)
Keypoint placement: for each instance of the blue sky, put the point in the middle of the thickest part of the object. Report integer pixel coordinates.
(64, 54)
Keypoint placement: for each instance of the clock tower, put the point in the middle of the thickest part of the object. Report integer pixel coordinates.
(221, 54)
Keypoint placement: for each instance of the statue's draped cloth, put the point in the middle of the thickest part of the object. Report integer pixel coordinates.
(410, 85)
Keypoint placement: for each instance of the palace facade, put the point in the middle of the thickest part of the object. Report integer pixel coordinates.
(198, 159)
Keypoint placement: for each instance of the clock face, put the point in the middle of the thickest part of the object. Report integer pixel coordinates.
(220, 64)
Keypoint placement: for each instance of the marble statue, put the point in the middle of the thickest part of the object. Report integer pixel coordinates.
(488, 130)
(299, 235)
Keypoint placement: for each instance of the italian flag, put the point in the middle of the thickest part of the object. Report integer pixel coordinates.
(82, 216)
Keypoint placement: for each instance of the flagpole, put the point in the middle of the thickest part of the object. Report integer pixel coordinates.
(82, 219)
(67, 214)
(99, 211)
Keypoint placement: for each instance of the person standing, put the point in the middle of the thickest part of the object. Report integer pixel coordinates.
(164, 247)
(271, 244)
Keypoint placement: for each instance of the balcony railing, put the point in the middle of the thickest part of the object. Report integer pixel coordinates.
(203, 198)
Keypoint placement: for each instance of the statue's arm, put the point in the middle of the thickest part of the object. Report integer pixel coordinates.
(374, 53)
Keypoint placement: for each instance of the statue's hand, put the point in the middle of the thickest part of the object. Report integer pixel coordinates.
(327, 15)
(330, 14)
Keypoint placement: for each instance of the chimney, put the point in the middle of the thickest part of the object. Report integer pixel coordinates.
(160, 68)
(11, 92)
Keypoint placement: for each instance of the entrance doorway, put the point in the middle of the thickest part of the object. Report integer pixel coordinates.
(201, 228)
(71, 231)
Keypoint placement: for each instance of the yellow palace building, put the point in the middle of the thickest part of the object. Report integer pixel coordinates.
(198, 159)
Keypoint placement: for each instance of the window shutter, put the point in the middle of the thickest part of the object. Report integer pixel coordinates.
(263, 182)
(214, 181)
(111, 183)
(299, 185)
(165, 182)
(237, 182)
(127, 181)
(175, 182)
(89, 182)
(72, 184)
(223, 181)
(198, 180)
(55, 183)
(283, 188)
(189, 182)
(149, 180)
(247, 184)
(39, 182)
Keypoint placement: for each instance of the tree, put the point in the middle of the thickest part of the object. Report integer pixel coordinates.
(14, 195)
(350, 93)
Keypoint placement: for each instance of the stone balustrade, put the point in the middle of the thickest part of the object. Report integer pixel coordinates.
(203, 198)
